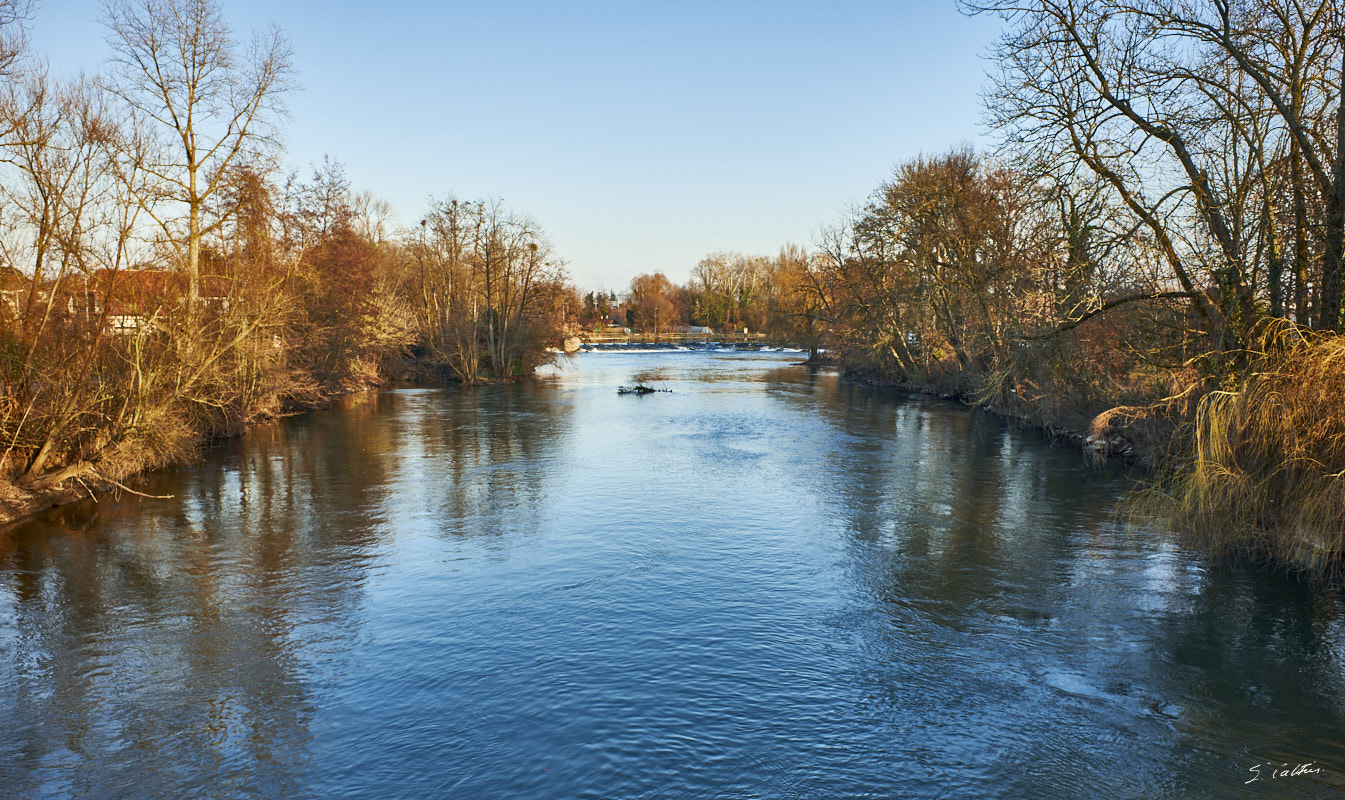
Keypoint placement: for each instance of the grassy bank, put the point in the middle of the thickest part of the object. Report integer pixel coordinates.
(1260, 468)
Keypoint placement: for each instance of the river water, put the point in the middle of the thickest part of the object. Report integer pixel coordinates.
(765, 583)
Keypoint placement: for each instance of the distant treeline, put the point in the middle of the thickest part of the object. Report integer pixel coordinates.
(164, 281)
(729, 293)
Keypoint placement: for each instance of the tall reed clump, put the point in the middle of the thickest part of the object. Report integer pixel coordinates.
(1265, 472)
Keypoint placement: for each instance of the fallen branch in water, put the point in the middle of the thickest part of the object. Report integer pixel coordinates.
(640, 388)
(126, 488)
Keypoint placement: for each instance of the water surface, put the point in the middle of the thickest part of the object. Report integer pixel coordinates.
(766, 583)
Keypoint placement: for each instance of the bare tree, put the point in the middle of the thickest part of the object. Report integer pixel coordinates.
(12, 39)
(651, 303)
(209, 102)
(1188, 109)
(485, 289)
(512, 259)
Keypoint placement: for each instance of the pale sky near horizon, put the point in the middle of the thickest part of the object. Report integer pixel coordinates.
(640, 136)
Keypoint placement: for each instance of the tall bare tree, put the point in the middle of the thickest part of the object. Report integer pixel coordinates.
(207, 100)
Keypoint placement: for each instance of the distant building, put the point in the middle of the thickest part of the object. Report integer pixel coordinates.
(129, 299)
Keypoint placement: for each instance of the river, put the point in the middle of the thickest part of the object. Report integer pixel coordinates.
(767, 582)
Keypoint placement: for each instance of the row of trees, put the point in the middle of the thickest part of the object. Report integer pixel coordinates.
(1205, 140)
(164, 281)
(961, 272)
(1170, 186)
(1218, 128)
(1174, 167)
(728, 292)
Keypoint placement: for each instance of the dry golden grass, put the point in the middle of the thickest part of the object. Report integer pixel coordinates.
(1264, 477)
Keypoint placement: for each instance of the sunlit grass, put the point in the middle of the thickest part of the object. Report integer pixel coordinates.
(1264, 471)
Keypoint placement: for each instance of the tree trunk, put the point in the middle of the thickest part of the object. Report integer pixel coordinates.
(1329, 318)
(1301, 310)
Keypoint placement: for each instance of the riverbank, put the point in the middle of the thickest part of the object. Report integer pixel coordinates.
(18, 503)
(1246, 460)
(1109, 433)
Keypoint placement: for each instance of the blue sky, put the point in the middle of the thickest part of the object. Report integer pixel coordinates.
(641, 136)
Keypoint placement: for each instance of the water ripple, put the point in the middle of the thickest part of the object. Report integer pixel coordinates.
(768, 583)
